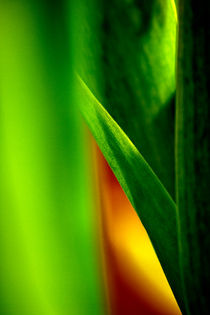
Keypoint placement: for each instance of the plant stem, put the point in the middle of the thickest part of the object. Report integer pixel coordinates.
(193, 152)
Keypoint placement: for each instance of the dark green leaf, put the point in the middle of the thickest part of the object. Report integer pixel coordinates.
(193, 152)
(133, 43)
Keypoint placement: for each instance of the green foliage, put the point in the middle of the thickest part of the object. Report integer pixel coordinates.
(48, 262)
(193, 153)
(135, 52)
(136, 85)
(125, 54)
(133, 43)
(152, 202)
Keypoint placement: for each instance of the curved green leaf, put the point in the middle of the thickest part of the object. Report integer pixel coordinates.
(144, 190)
(130, 51)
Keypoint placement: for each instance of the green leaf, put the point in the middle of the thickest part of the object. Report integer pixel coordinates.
(49, 261)
(193, 153)
(148, 196)
(133, 46)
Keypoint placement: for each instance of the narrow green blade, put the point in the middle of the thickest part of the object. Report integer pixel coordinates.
(193, 153)
(152, 202)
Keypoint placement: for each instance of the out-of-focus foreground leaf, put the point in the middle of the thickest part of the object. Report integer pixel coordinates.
(152, 202)
(193, 153)
(135, 46)
(48, 262)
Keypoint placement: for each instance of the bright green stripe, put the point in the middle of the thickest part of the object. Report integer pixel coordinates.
(48, 250)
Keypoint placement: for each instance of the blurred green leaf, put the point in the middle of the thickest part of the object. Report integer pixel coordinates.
(48, 262)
